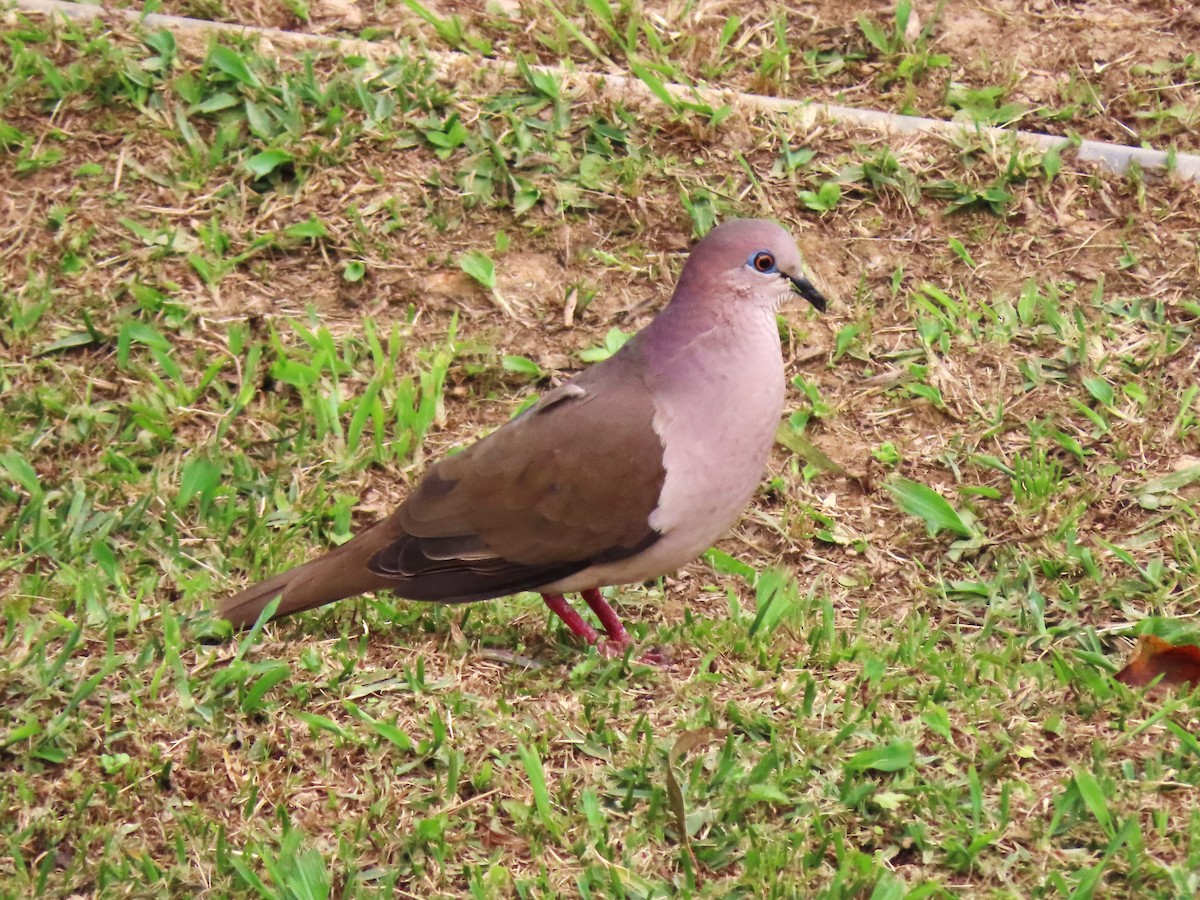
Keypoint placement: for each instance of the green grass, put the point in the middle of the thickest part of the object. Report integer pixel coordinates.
(977, 64)
(246, 301)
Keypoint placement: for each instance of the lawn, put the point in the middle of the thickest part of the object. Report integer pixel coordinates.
(250, 289)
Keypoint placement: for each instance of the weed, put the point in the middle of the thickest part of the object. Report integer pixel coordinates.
(231, 310)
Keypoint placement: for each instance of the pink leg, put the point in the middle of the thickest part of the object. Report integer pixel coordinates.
(618, 639)
(559, 606)
(608, 617)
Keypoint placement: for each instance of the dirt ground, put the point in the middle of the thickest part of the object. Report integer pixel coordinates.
(961, 337)
(1103, 69)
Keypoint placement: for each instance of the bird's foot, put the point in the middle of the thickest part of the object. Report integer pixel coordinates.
(655, 657)
(617, 641)
(658, 657)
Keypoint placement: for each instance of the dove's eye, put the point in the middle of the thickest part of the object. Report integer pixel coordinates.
(762, 261)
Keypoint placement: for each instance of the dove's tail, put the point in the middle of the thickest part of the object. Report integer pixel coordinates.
(343, 572)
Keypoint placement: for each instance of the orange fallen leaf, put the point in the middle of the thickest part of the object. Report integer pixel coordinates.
(1154, 657)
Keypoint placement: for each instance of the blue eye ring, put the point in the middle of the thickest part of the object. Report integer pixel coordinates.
(762, 261)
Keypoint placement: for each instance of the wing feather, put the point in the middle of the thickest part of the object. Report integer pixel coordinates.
(569, 483)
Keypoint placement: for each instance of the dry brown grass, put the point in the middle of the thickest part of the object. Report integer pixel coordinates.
(893, 639)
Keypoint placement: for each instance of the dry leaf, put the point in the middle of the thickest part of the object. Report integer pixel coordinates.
(346, 11)
(689, 740)
(1154, 657)
(912, 31)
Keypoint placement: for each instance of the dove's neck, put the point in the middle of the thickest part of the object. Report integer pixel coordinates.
(716, 373)
(718, 388)
(721, 318)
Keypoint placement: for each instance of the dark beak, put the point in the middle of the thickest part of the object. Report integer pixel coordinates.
(805, 289)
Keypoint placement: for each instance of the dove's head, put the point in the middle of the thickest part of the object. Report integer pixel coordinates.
(753, 260)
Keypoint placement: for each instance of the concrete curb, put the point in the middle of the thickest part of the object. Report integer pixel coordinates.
(1115, 158)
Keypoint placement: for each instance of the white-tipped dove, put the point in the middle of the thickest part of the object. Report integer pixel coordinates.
(620, 475)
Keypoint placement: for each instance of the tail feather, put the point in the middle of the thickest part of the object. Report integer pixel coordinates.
(341, 573)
